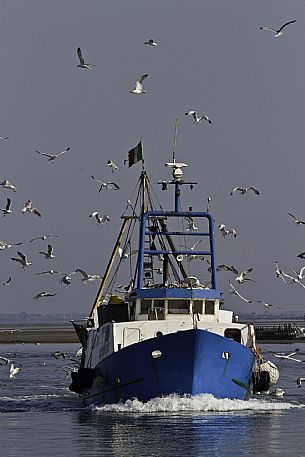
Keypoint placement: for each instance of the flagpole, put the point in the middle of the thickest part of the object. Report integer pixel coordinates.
(175, 141)
(143, 168)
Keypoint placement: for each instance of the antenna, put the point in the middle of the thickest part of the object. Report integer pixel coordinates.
(175, 141)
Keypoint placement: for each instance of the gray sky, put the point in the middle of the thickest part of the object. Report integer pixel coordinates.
(211, 57)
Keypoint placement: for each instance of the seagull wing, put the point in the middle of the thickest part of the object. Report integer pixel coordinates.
(141, 79)
(80, 56)
(112, 185)
(292, 216)
(237, 189)
(255, 190)
(50, 249)
(8, 204)
(269, 29)
(285, 25)
(83, 273)
(45, 154)
(22, 256)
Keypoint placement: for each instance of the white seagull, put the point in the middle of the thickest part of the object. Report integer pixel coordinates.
(279, 273)
(151, 42)
(299, 381)
(52, 157)
(6, 184)
(7, 210)
(297, 221)
(299, 275)
(4, 137)
(233, 291)
(49, 254)
(244, 190)
(198, 119)
(14, 371)
(86, 277)
(5, 245)
(51, 272)
(190, 223)
(107, 185)
(278, 32)
(66, 279)
(138, 89)
(23, 260)
(100, 219)
(242, 277)
(43, 237)
(227, 231)
(28, 207)
(285, 356)
(112, 165)
(43, 294)
(82, 63)
(267, 305)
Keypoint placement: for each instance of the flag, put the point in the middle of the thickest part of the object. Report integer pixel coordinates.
(135, 154)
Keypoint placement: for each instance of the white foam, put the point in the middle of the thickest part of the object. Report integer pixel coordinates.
(203, 402)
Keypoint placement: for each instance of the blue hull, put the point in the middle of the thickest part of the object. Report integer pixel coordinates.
(192, 362)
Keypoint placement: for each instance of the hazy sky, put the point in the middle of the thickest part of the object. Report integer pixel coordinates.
(211, 57)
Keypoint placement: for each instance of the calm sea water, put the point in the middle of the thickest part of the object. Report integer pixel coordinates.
(40, 417)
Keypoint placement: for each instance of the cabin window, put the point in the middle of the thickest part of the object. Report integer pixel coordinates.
(209, 307)
(178, 307)
(156, 314)
(233, 334)
(197, 307)
(145, 304)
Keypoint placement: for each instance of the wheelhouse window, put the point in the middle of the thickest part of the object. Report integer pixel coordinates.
(209, 307)
(145, 305)
(233, 334)
(197, 307)
(178, 307)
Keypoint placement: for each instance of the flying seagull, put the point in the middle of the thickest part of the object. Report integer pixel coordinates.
(43, 294)
(233, 291)
(100, 219)
(244, 190)
(6, 184)
(49, 254)
(86, 277)
(242, 277)
(299, 381)
(151, 42)
(297, 221)
(138, 89)
(30, 209)
(7, 210)
(223, 267)
(299, 275)
(267, 305)
(112, 165)
(285, 356)
(43, 237)
(23, 260)
(227, 231)
(5, 245)
(278, 32)
(14, 371)
(7, 282)
(51, 272)
(82, 63)
(198, 119)
(52, 157)
(4, 137)
(107, 185)
(278, 272)
(66, 279)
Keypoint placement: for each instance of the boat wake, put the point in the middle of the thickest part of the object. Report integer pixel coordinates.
(203, 403)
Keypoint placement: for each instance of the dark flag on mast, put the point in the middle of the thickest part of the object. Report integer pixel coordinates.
(135, 154)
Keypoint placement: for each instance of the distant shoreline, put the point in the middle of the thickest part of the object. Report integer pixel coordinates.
(43, 333)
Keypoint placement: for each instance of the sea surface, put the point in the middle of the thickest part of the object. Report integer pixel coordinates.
(40, 417)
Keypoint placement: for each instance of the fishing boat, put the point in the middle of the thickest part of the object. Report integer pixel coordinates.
(165, 330)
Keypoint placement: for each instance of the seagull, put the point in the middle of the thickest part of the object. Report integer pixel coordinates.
(267, 305)
(151, 42)
(43, 237)
(14, 370)
(223, 267)
(198, 119)
(51, 272)
(100, 219)
(242, 277)
(113, 166)
(66, 279)
(52, 157)
(279, 273)
(225, 232)
(6, 184)
(87, 277)
(23, 260)
(294, 280)
(29, 208)
(301, 255)
(108, 185)
(299, 381)
(82, 63)
(243, 190)
(278, 32)
(190, 223)
(4, 137)
(43, 294)
(138, 89)
(299, 275)
(233, 291)
(288, 356)
(124, 254)
(7, 282)
(49, 254)
(4, 245)
(7, 210)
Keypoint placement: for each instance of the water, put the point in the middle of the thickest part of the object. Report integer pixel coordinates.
(39, 416)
